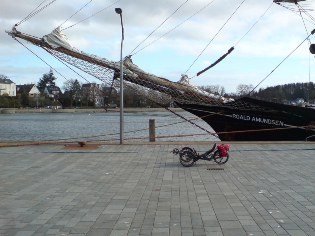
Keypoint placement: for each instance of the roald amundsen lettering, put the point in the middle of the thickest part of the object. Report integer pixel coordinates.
(258, 119)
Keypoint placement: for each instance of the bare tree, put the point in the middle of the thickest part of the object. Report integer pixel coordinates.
(73, 89)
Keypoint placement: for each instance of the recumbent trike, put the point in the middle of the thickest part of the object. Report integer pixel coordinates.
(189, 156)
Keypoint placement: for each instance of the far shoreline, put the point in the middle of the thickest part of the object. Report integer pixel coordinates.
(84, 110)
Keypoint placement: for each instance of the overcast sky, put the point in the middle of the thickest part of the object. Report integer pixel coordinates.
(275, 36)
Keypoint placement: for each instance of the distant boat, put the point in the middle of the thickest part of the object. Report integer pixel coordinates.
(244, 119)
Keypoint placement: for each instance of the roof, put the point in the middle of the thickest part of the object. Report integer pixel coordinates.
(26, 88)
(6, 81)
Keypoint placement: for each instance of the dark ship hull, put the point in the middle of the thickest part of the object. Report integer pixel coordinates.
(249, 119)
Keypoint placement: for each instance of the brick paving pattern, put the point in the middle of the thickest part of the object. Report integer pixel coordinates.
(264, 189)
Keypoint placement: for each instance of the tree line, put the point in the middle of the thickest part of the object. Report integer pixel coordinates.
(288, 92)
(280, 93)
(81, 95)
(75, 94)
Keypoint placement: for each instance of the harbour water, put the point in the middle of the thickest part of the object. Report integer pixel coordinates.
(100, 127)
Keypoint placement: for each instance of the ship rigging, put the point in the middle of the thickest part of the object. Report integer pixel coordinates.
(222, 114)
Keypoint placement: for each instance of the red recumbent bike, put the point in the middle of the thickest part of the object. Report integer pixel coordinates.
(189, 156)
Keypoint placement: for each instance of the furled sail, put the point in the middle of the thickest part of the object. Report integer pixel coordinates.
(57, 39)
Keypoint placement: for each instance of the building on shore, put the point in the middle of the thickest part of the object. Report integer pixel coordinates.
(7, 87)
(30, 89)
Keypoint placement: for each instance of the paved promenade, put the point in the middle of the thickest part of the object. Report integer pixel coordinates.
(264, 189)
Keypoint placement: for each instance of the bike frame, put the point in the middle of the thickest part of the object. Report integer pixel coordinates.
(207, 156)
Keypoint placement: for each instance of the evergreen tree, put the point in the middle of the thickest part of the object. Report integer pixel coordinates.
(47, 79)
(25, 100)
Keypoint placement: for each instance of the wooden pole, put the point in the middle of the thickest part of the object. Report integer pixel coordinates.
(152, 130)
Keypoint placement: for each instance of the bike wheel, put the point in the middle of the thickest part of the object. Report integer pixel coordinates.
(188, 149)
(186, 158)
(219, 159)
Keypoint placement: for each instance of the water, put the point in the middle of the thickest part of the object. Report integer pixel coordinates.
(99, 126)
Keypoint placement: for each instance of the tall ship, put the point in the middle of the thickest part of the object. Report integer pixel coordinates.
(243, 119)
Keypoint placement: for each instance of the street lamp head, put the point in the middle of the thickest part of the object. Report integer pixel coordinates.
(118, 10)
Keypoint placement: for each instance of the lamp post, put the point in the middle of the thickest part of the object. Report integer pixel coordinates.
(119, 12)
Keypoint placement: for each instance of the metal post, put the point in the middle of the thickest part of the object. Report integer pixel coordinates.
(119, 11)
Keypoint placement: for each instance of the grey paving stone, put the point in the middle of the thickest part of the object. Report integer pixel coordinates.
(230, 224)
(296, 233)
(99, 232)
(119, 233)
(264, 189)
(233, 232)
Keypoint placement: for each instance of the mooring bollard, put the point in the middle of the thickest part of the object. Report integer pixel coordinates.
(152, 130)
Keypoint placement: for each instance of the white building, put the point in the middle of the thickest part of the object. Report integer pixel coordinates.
(7, 87)
(30, 89)
(93, 92)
